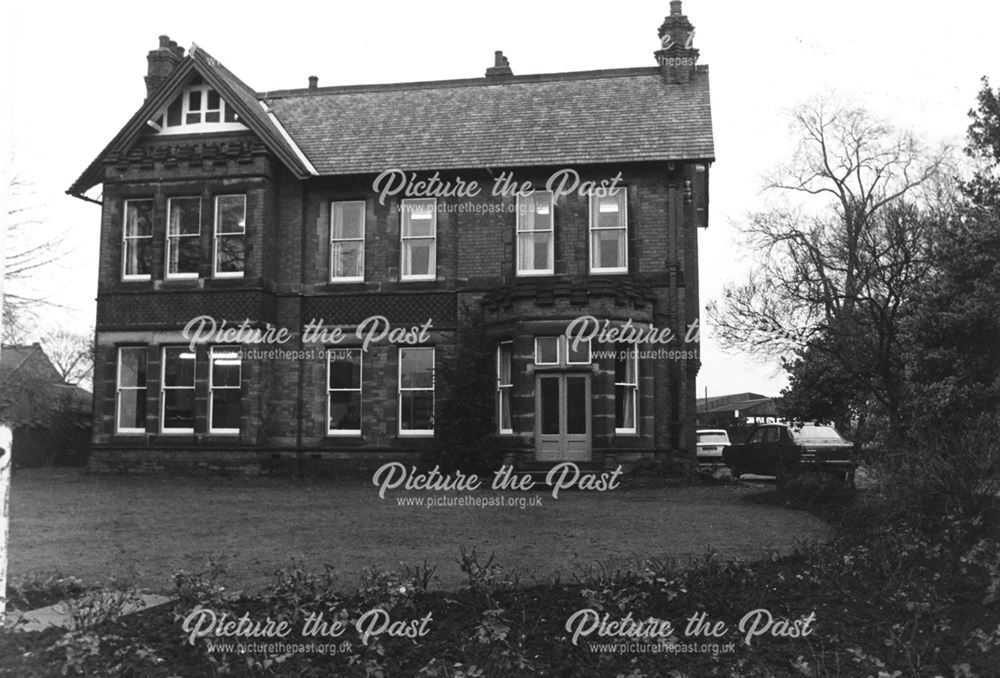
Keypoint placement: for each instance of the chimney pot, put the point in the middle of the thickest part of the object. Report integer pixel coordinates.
(501, 65)
(161, 63)
(313, 82)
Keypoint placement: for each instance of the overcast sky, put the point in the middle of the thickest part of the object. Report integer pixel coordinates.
(76, 77)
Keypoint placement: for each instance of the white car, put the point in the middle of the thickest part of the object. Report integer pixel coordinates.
(710, 444)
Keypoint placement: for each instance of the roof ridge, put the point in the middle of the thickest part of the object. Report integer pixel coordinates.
(464, 82)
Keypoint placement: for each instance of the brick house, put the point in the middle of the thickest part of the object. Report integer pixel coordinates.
(351, 211)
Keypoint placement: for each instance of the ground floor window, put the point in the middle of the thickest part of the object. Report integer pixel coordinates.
(344, 391)
(130, 400)
(626, 388)
(416, 391)
(504, 386)
(177, 390)
(225, 380)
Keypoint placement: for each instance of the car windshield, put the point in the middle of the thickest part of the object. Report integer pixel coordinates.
(813, 432)
(713, 438)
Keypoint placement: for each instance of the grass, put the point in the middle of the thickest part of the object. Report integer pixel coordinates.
(143, 529)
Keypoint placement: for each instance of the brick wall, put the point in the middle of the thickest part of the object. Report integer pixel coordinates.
(287, 283)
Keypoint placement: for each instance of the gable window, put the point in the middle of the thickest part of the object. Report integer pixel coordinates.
(196, 108)
(225, 377)
(343, 378)
(230, 235)
(505, 386)
(626, 387)
(419, 239)
(137, 242)
(416, 391)
(609, 233)
(535, 232)
(177, 390)
(347, 241)
(183, 237)
(130, 407)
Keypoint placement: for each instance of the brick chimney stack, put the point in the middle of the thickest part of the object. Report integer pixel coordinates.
(161, 63)
(677, 56)
(500, 67)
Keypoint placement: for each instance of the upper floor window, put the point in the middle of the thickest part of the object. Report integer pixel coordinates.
(609, 233)
(137, 241)
(230, 234)
(130, 410)
(418, 238)
(535, 232)
(199, 108)
(347, 241)
(183, 237)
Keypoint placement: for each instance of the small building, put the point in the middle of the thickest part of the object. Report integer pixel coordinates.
(50, 420)
(321, 244)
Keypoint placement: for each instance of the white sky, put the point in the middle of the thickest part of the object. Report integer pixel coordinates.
(75, 78)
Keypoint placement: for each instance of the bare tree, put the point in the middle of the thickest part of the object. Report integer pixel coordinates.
(842, 253)
(30, 249)
(72, 354)
(819, 254)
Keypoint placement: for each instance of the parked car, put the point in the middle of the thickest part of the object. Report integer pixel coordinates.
(781, 450)
(711, 441)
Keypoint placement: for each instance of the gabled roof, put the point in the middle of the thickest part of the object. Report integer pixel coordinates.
(535, 120)
(27, 361)
(234, 92)
(588, 117)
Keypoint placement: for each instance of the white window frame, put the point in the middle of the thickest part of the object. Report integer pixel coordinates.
(590, 355)
(562, 352)
(164, 388)
(181, 276)
(212, 388)
(399, 399)
(403, 238)
(595, 203)
(559, 346)
(632, 386)
(159, 121)
(550, 269)
(359, 390)
(333, 241)
(505, 389)
(216, 273)
(119, 388)
(126, 276)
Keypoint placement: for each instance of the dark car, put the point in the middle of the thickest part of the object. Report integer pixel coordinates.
(781, 450)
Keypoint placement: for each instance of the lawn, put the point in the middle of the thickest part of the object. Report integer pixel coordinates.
(143, 529)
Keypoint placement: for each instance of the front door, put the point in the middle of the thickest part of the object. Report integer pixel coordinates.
(562, 417)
